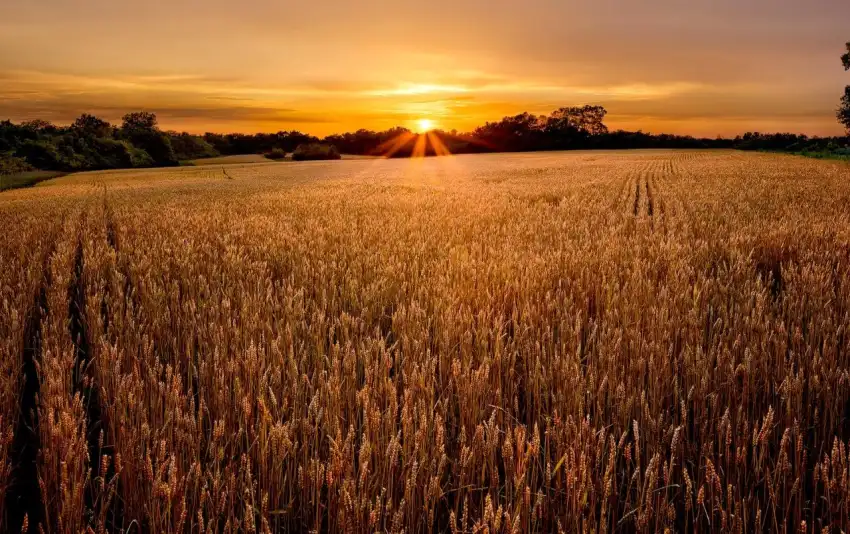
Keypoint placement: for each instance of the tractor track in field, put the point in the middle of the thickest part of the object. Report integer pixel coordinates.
(636, 206)
(652, 194)
(115, 516)
(643, 197)
(84, 377)
(631, 196)
(656, 207)
(24, 497)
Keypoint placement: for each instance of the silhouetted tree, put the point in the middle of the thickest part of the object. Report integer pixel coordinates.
(187, 146)
(844, 109)
(91, 126)
(512, 134)
(845, 59)
(262, 143)
(42, 155)
(315, 151)
(138, 121)
(39, 126)
(587, 119)
(140, 129)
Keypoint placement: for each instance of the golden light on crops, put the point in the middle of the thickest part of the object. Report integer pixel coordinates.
(621, 341)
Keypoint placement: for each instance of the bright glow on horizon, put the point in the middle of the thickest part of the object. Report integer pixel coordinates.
(424, 125)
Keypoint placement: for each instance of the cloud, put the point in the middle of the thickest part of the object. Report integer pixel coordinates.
(63, 112)
(229, 98)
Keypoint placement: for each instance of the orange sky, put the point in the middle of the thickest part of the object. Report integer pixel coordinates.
(702, 67)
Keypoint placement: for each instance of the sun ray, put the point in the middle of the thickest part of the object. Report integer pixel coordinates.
(420, 148)
(391, 147)
(440, 148)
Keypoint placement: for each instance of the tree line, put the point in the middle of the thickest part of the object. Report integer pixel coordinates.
(91, 143)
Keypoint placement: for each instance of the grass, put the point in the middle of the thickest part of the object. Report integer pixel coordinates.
(251, 158)
(230, 160)
(26, 179)
(843, 156)
(628, 341)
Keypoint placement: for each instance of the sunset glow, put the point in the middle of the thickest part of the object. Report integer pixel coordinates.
(424, 125)
(710, 68)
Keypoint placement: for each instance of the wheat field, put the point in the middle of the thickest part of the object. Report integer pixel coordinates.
(650, 341)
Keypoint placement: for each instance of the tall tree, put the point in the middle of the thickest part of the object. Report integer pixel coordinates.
(844, 110)
(140, 128)
(138, 121)
(586, 119)
(92, 126)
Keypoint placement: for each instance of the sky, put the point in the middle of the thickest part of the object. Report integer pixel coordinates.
(700, 67)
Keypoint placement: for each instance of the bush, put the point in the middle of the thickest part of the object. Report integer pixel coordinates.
(189, 147)
(315, 151)
(42, 155)
(157, 144)
(111, 154)
(276, 154)
(12, 165)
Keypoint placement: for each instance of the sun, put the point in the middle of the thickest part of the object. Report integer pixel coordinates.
(424, 125)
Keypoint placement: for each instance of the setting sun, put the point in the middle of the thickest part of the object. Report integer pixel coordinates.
(424, 125)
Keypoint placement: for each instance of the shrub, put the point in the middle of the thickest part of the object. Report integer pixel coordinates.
(157, 145)
(42, 155)
(111, 154)
(276, 154)
(188, 147)
(12, 165)
(315, 151)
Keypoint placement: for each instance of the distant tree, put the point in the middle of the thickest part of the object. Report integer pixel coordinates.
(158, 146)
(42, 155)
(11, 165)
(315, 151)
(38, 126)
(368, 142)
(587, 119)
(845, 59)
(513, 134)
(140, 128)
(138, 121)
(844, 110)
(188, 146)
(219, 142)
(92, 126)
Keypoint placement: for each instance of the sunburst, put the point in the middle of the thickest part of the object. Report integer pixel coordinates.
(424, 125)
